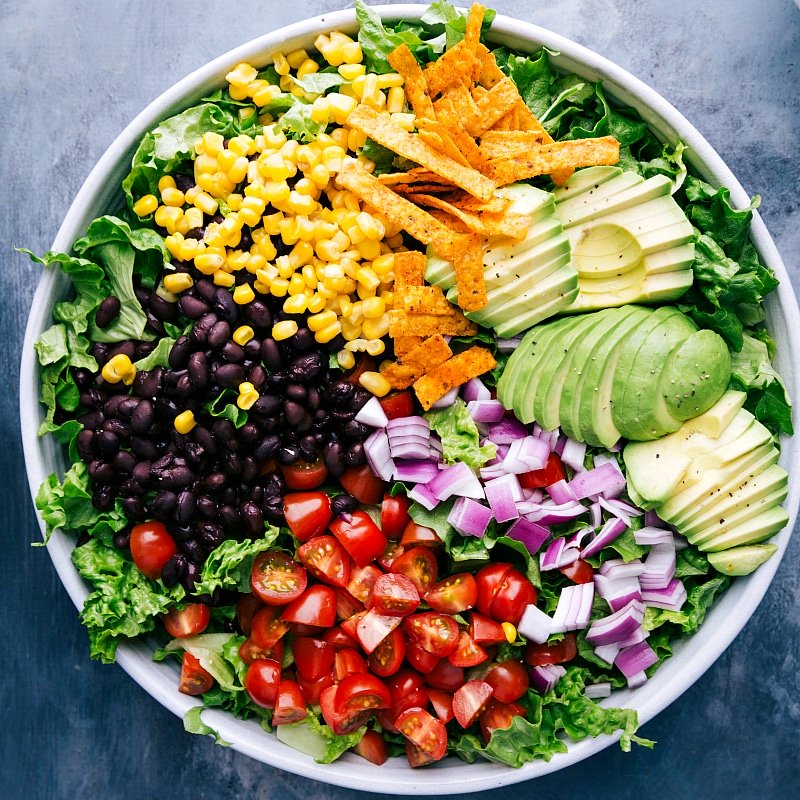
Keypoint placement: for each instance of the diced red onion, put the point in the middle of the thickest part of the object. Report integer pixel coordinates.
(551, 437)
(490, 473)
(574, 608)
(502, 494)
(650, 536)
(376, 450)
(470, 517)
(621, 515)
(616, 568)
(372, 414)
(573, 454)
(639, 635)
(447, 400)
(532, 495)
(652, 519)
(525, 455)
(596, 514)
(607, 652)
(533, 536)
(458, 480)
(422, 495)
(637, 680)
(475, 389)
(546, 678)
(558, 555)
(617, 626)
(619, 591)
(622, 507)
(659, 567)
(508, 345)
(603, 480)
(597, 691)
(410, 450)
(561, 493)
(507, 430)
(636, 659)
(415, 471)
(610, 531)
(551, 514)
(671, 597)
(535, 625)
(486, 410)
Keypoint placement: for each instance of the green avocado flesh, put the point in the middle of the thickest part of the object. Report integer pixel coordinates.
(716, 480)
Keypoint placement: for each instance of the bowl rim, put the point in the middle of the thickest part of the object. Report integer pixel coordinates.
(449, 777)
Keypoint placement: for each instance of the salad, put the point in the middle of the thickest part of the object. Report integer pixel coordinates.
(417, 398)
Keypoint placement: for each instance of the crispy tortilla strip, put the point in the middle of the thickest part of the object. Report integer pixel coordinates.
(453, 223)
(404, 63)
(509, 144)
(416, 221)
(471, 221)
(527, 121)
(403, 324)
(456, 371)
(403, 345)
(472, 34)
(379, 127)
(417, 174)
(462, 140)
(468, 264)
(497, 205)
(409, 269)
(462, 102)
(426, 300)
(490, 72)
(550, 158)
(426, 188)
(400, 376)
(485, 223)
(495, 104)
(453, 66)
(440, 140)
(433, 351)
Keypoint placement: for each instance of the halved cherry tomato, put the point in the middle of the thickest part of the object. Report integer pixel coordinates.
(388, 656)
(363, 484)
(394, 515)
(249, 651)
(290, 705)
(267, 627)
(467, 653)
(442, 703)
(397, 404)
(469, 700)
(374, 627)
(316, 606)
(419, 536)
(360, 692)
(499, 716)
(307, 513)
(195, 680)
(151, 548)
(326, 560)
(437, 633)
(579, 571)
(373, 747)
(393, 550)
(395, 595)
(420, 659)
(360, 536)
(538, 655)
(350, 625)
(342, 722)
(424, 731)
(509, 679)
(484, 630)
(339, 638)
(552, 472)
(445, 676)
(348, 661)
(187, 621)
(454, 594)
(276, 578)
(313, 689)
(346, 604)
(405, 683)
(262, 680)
(419, 566)
(364, 364)
(362, 582)
(246, 607)
(416, 756)
(313, 658)
(302, 475)
(503, 592)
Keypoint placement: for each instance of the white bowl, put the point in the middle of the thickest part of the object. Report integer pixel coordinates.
(693, 656)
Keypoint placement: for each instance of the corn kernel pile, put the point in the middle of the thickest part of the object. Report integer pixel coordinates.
(340, 268)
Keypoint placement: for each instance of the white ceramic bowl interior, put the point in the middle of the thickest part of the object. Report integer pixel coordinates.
(693, 656)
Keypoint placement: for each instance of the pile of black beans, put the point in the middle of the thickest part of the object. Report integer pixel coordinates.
(218, 481)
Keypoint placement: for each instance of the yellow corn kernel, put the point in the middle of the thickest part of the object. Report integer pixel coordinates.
(247, 395)
(284, 329)
(301, 203)
(238, 92)
(238, 172)
(396, 100)
(270, 223)
(309, 276)
(242, 145)
(276, 168)
(375, 347)
(346, 359)
(166, 182)
(350, 331)
(321, 110)
(404, 121)
(208, 183)
(510, 631)
(367, 278)
(359, 84)
(118, 368)
(351, 53)
(178, 282)
(277, 191)
(351, 71)
(296, 285)
(282, 66)
(260, 287)
(190, 249)
(383, 265)
(234, 202)
(328, 333)
(389, 80)
(316, 303)
(206, 203)
(296, 304)
(212, 143)
(288, 230)
(266, 94)
(241, 74)
(308, 67)
(356, 345)
(371, 227)
(373, 307)
(289, 150)
(185, 422)
(317, 322)
(224, 279)
(296, 58)
(369, 249)
(341, 107)
(375, 383)
(305, 229)
(321, 42)
(307, 187)
(333, 54)
(146, 205)
(243, 294)
(328, 250)
(376, 328)
(279, 287)
(193, 217)
(320, 174)
(226, 159)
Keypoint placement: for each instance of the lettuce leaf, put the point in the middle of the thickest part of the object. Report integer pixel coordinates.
(459, 435)
(193, 723)
(700, 598)
(208, 649)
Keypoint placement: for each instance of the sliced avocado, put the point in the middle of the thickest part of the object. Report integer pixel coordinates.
(654, 472)
(604, 199)
(696, 375)
(731, 447)
(549, 309)
(583, 179)
(525, 199)
(742, 560)
(666, 286)
(714, 421)
(439, 271)
(524, 351)
(498, 249)
(673, 259)
(754, 530)
(635, 287)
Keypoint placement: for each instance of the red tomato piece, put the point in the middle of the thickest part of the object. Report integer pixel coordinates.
(363, 484)
(277, 579)
(509, 679)
(420, 659)
(346, 604)
(442, 703)
(503, 592)
(360, 536)
(249, 651)
(246, 607)
(499, 716)
(290, 705)
(361, 691)
(394, 515)
(374, 627)
(302, 475)
(313, 658)
(469, 700)
(395, 595)
(579, 571)
(364, 364)
(419, 536)
(326, 560)
(435, 632)
(405, 682)
(445, 676)
(416, 756)
(454, 594)
(348, 661)
(187, 621)
(388, 656)
(539, 655)
(392, 551)
(316, 606)
(424, 731)
(419, 566)
(313, 689)
(362, 582)
(484, 630)
(373, 747)
(397, 404)
(339, 638)
(307, 513)
(552, 472)
(195, 680)
(341, 722)
(261, 682)
(151, 548)
(350, 625)
(467, 653)
(267, 627)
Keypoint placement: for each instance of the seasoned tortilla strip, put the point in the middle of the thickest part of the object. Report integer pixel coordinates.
(402, 324)
(526, 120)
(409, 269)
(472, 34)
(403, 345)
(379, 127)
(416, 88)
(433, 351)
(482, 222)
(468, 265)
(497, 205)
(456, 371)
(401, 376)
(426, 188)
(508, 144)
(462, 140)
(416, 221)
(495, 104)
(417, 174)
(453, 65)
(550, 158)
(425, 300)
(440, 140)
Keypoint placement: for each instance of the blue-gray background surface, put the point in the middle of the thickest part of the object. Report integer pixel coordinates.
(73, 73)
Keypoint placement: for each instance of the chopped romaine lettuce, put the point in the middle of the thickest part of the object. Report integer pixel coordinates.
(459, 435)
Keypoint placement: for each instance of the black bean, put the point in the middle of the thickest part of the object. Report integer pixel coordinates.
(313, 399)
(294, 412)
(193, 549)
(191, 575)
(232, 463)
(277, 380)
(339, 392)
(303, 341)
(249, 469)
(296, 392)
(122, 539)
(342, 416)
(143, 447)
(92, 419)
(359, 398)
(144, 349)
(163, 309)
(164, 504)
(248, 433)
(273, 510)
(288, 454)
(103, 472)
(180, 533)
(173, 570)
(127, 406)
(134, 508)
(223, 430)
(233, 353)
(308, 448)
(355, 455)
(85, 444)
(127, 348)
(229, 518)
(356, 430)
(333, 456)
(210, 533)
(252, 350)
(124, 462)
(193, 307)
(111, 406)
(166, 408)
(83, 378)
(206, 508)
(215, 481)
(198, 369)
(142, 417)
(107, 312)
(103, 498)
(257, 375)
(155, 323)
(271, 354)
(91, 398)
(176, 477)
(267, 447)
(184, 387)
(219, 334)
(195, 453)
(225, 305)
(229, 376)
(257, 314)
(205, 439)
(206, 289)
(305, 423)
(118, 428)
(148, 384)
(267, 404)
(141, 472)
(199, 332)
(142, 295)
(187, 503)
(99, 352)
(180, 352)
(130, 486)
(306, 367)
(343, 504)
(252, 519)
